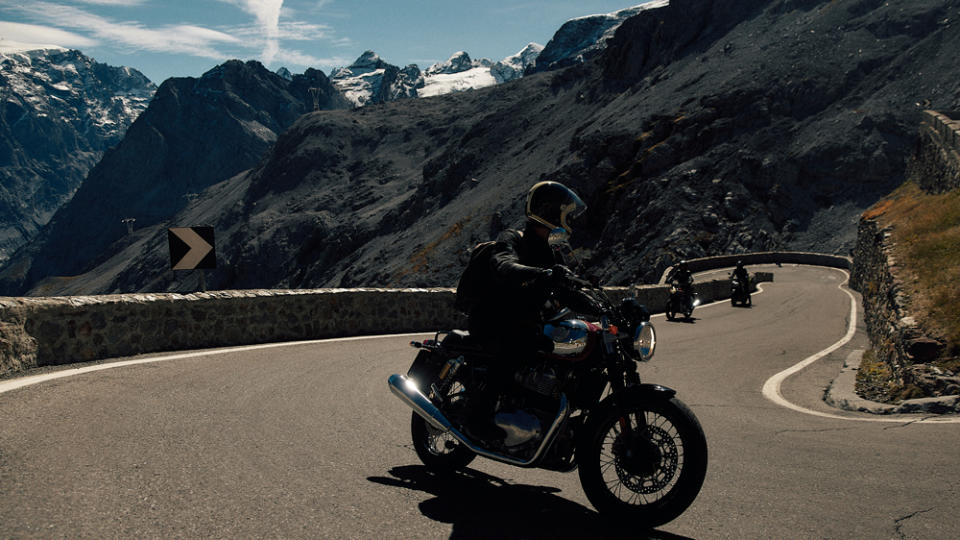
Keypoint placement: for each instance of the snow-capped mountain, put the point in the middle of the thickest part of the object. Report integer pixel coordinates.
(583, 38)
(513, 67)
(372, 80)
(60, 111)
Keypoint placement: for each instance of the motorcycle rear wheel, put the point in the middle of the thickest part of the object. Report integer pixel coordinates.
(650, 474)
(440, 451)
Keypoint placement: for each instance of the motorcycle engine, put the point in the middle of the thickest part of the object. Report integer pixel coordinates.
(525, 417)
(541, 379)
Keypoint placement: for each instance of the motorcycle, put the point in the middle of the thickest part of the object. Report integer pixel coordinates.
(740, 292)
(681, 302)
(640, 452)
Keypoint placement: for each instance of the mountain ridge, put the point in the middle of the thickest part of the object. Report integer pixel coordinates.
(61, 111)
(704, 127)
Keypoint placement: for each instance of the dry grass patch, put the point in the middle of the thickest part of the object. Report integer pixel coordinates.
(926, 238)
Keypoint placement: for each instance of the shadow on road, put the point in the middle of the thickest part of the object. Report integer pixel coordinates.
(480, 505)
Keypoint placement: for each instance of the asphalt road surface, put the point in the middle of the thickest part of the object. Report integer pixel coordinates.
(306, 441)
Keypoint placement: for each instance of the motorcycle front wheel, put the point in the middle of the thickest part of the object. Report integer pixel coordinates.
(671, 310)
(643, 462)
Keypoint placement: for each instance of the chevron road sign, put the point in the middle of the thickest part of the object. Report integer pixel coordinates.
(191, 248)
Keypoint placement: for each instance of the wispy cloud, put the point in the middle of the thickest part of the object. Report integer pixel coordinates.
(42, 35)
(121, 3)
(186, 39)
(75, 24)
(267, 16)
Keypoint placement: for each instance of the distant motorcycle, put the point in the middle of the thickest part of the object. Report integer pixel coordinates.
(682, 301)
(640, 452)
(740, 292)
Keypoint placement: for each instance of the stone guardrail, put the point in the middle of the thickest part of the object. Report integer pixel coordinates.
(896, 337)
(765, 257)
(935, 163)
(44, 331)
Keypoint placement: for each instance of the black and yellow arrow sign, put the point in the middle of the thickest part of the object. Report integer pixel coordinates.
(191, 247)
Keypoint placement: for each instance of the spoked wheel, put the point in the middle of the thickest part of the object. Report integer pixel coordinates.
(440, 451)
(645, 462)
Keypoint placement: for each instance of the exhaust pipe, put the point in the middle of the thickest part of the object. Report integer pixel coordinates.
(407, 391)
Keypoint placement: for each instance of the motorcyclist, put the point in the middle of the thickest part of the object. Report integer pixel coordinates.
(509, 319)
(680, 274)
(740, 273)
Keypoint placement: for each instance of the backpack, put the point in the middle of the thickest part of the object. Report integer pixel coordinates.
(478, 279)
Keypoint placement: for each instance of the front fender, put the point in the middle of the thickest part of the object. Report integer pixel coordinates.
(637, 393)
(640, 393)
(634, 394)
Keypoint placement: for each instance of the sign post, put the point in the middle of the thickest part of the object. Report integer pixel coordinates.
(192, 248)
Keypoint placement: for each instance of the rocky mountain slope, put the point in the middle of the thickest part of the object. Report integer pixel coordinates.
(583, 38)
(60, 111)
(705, 127)
(196, 132)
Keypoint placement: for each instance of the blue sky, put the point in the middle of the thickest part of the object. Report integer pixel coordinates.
(177, 38)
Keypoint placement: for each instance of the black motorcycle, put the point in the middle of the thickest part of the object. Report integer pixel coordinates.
(681, 302)
(740, 292)
(640, 452)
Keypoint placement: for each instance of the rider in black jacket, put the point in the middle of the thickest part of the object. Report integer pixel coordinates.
(509, 319)
(523, 264)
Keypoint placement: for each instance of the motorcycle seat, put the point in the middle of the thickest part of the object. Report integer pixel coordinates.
(461, 341)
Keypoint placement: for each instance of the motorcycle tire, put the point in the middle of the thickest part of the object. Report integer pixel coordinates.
(671, 310)
(439, 452)
(646, 476)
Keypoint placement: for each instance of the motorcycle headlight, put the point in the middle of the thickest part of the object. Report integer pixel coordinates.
(645, 340)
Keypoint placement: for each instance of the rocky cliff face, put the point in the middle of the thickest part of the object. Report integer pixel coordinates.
(195, 133)
(706, 127)
(60, 111)
(583, 38)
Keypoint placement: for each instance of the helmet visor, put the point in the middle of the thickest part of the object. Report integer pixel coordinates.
(571, 211)
(554, 205)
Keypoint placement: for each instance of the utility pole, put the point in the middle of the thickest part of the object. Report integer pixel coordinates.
(129, 223)
(315, 92)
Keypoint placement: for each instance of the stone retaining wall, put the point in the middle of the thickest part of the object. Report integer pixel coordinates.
(61, 330)
(765, 257)
(935, 164)
(895, 336)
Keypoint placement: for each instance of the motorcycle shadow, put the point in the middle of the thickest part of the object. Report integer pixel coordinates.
(691, 320)
(480, 505)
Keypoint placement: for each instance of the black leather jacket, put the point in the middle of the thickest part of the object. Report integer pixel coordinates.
(520, 263)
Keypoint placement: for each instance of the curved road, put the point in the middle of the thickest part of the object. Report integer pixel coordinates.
(305, 441)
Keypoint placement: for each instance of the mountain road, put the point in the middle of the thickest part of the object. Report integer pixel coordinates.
(304, 440)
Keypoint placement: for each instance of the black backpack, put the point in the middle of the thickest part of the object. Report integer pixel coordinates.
(478, 280)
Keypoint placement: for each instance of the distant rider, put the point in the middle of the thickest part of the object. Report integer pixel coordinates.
(740, 273)
(681, 276)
